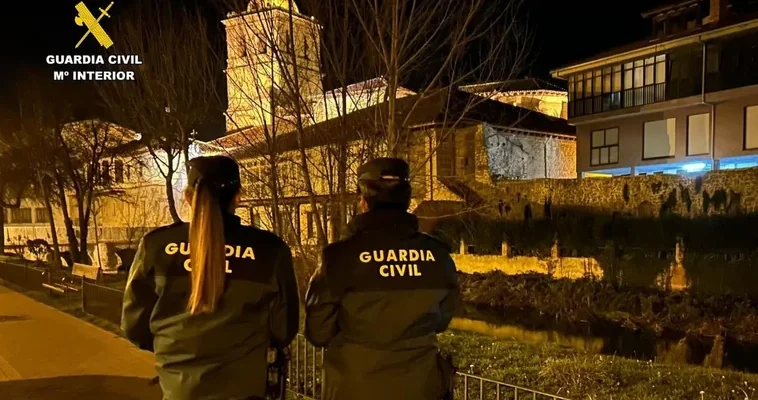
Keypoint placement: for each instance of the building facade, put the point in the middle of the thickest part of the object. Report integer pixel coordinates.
(683, 101)
(453, 140)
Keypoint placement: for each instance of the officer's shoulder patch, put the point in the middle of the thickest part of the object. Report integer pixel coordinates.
(438, 241)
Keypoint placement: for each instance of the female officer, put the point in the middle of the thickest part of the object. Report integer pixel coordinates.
(211, 296)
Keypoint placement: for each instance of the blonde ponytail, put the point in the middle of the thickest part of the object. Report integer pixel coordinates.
(207, 260)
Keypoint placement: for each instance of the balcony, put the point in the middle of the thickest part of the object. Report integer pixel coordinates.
(635, 97)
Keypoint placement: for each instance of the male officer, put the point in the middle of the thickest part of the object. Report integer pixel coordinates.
(381, 296)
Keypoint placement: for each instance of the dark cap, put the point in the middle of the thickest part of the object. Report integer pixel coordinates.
(384, 169)
(219, 171)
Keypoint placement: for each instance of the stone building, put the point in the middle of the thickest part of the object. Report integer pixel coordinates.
(448, 138)
(473, 142)
(530, 93)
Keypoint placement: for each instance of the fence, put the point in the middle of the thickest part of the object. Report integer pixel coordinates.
(305, 372)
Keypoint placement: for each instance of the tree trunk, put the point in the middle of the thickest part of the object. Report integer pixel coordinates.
(83, 230)
(342, 155)
(2, 229)
(170, 193)
(168, 176)
(51, 218)
(322, 238)
(274, 184)
(73, 242)
(392, 82)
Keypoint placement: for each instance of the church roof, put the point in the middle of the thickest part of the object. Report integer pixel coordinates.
(456, 109)
(515, 85)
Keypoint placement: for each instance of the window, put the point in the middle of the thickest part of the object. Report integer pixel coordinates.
(118, 171)
(644, 81)
(595, 91)
(306, 48)
(674, 24)
(21, 215)
(260, 45)
(255, 219)
(128, 172)
(659, 28)
(243, 46)
(106, 172)
(310, 224)
(698, 134)
(692, 19)
(751, 127)
(659, 139)
(41, 216)
(5, 216)
(604, 147)
(713, 58)
(640, 81)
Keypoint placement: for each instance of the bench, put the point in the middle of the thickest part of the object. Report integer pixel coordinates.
(68, 284)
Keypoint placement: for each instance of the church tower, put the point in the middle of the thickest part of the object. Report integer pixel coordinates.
(262, 59)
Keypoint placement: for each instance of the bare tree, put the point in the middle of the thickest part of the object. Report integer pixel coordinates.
(14, 177)
(440, 45)
(175, 89)
(86, 148)
(40, 110)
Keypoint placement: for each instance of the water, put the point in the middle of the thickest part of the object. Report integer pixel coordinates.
(609, 339)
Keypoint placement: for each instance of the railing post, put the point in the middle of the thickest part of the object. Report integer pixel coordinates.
(305, 369)
(297, 363)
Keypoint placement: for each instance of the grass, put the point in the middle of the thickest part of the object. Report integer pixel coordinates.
(547, 367)
(579, 375)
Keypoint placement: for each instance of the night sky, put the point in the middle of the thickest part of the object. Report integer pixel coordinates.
(564, 31)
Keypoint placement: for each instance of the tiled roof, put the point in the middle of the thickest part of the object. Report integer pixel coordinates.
(514, 85)
(451, 109)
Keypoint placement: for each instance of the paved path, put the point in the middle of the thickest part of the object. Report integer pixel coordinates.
(39, 343)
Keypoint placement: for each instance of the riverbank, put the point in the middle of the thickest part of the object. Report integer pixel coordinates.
(577, 374)
(634, 308)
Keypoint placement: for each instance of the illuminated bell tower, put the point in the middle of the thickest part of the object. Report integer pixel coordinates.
(261, 62)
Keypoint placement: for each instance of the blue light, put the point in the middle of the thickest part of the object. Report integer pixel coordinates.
(694, 167)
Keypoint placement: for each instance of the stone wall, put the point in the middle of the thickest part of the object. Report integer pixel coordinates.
(673, 276)
(513, 155)
(561, 267)
(731, 192)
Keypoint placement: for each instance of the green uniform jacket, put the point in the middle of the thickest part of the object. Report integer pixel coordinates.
(220, 355)
(377, 304)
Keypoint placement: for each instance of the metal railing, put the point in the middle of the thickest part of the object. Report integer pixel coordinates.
(470, 387)
(305, 378)
(305, 375)
(24, 276)
(102, 301)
